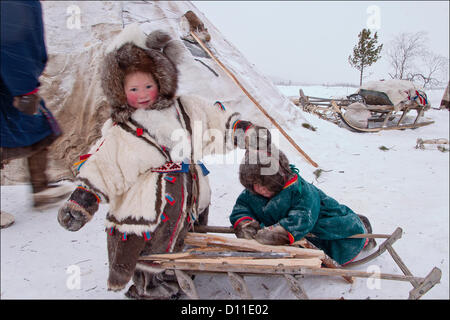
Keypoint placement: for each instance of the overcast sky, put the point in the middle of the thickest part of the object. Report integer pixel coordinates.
(310, 41)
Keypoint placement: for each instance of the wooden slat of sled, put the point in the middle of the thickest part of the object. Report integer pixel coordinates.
(203, 240)
(242, 265)
(216, 253)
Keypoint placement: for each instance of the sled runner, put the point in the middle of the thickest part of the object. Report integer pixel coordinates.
(367, 111)
(241, 257)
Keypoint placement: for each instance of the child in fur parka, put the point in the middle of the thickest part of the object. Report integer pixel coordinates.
(146, 165)
(279, 207)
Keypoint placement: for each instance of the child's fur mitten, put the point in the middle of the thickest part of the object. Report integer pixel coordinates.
(273, 235)
(78, 210)
(247, 229)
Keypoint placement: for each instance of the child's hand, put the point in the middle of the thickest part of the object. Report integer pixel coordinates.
(250, 136)
(72, 216)
(273, 235)
(80, 209)
(247, 229)
(258, 138)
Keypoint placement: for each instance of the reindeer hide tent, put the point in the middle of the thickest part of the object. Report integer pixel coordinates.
(77, 34)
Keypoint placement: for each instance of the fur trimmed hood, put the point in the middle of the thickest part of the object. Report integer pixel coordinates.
(131, 51)
(267, 169)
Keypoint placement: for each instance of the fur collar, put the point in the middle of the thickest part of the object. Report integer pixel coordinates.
(156, 53)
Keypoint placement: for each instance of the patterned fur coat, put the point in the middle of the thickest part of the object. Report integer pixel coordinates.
(146, 165)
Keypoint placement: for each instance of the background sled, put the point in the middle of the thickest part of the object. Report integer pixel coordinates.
(241, 257)
(390, 116)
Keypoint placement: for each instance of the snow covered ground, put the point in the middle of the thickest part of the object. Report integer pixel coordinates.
(401, 187)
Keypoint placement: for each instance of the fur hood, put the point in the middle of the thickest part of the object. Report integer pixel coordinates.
(132, 50)
(267, 169)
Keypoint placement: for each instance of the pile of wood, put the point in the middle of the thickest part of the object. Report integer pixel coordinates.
(236, 258)
(222, 254)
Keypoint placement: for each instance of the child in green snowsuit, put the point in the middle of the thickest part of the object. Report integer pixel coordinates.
(280, 207)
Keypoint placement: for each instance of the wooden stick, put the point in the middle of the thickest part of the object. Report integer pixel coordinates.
(255, 264)
(359, 274)
(220, 229)
(309, 266)
(213, 229)
(326, 260)
(232, 76)
(218, 253)
(203, 240)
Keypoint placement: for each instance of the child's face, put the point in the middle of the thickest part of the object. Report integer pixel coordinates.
(263, 191)
(141, 89)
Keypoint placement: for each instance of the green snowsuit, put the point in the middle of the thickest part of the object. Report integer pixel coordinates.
(302, 208)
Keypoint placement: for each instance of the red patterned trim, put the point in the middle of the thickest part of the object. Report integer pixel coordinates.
(85, 156)
(96, 196)
(147, 235)
(178, 220)
(164, 217)
(290, 182)
(171, 179)
(235, 125)
(31, 92)
(291, 238)
(170, 199)
(73, 201)
(242, 219)
(246, 129)
(365, 244)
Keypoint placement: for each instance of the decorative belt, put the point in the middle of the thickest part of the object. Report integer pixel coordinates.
(178, 167)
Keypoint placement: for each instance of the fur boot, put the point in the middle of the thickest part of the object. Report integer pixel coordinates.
(6, 219)
(153, 286)
(123, 256)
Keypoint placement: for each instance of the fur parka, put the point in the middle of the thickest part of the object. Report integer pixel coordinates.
(300, 208)
(146, 165)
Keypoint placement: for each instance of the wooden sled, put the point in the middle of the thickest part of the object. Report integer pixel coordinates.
(335, 110)
(241, 257)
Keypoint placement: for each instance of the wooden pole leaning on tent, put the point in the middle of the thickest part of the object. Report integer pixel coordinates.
(232, 76)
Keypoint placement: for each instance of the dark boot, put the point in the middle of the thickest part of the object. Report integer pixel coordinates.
(372, 243)
(44, 195)
(6, 219)
(122, 256)
(153, 286)
(37, 165)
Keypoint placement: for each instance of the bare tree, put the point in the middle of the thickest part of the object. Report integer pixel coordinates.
(402, 52)
(433, 70)
(411, 60)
